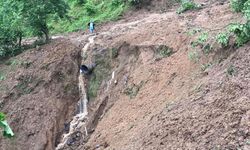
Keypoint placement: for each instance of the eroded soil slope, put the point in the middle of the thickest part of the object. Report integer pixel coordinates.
(40, 94)
(171, 103)
(152, 96)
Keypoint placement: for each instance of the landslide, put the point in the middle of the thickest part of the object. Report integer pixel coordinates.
(151, 96)
(171, 102)
(39, 94)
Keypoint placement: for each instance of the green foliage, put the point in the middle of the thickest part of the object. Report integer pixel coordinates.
(246, 9)
(231, 70)
(223, 39)
(237, 5)
(202, 38)
(26, 18)
(114, 53)
(7, 132)
(11, 28)
(37, 14)
(80, 15)
(193, 31)
(241, 32)
(201, 41)
(90, 8)
(163, 51)
(187, 5)
(135, 3)
(133, 90)
(2, 116)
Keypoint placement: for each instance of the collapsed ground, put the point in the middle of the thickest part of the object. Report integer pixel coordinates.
(158, 99)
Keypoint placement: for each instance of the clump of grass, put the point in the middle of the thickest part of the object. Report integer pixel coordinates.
(201, 42)
(80, 14)
(133, 90)
(163, 51)
(193, 56)
(223, 39)
(187, 5)
(231, 70)
(114, 53)
(202, 38)
(193, 31)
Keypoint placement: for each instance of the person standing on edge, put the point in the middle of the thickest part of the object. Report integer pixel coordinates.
(91, 26)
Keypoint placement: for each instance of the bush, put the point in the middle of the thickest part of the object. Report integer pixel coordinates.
(241, 31)
(90, 9)
(138, 4)
(237, 5)
(135, 2)
(187, 5)
(223, 39)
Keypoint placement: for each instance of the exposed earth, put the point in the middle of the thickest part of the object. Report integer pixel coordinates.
(152, 96)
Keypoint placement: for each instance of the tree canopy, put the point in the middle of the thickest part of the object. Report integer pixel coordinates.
(24, 17)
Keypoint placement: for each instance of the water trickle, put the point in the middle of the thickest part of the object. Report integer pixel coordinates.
(78, 121)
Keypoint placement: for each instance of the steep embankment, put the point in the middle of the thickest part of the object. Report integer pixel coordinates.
(171, 103)
(145, 92)
(40, 94)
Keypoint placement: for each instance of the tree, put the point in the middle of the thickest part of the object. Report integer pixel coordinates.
(11, 27)
(37, 13)
(26, 18)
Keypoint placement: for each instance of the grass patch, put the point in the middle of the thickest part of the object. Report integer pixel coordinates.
(193, 31)
(193, 56)
(187, 5)
(231, 70)
(80, 14)
(163, 51)
(133, 90)
(114, 53)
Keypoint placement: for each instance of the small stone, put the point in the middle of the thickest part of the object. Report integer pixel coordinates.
(70, 141)
(78, 134)
(97, 146)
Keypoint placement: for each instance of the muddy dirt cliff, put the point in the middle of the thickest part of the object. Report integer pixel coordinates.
(40, 94)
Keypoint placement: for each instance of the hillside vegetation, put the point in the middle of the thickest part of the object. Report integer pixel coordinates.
(82, 11)
(20, 19)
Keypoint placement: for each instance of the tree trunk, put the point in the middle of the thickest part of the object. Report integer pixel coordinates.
(20, 39)
(45, 30)
(46, 36)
